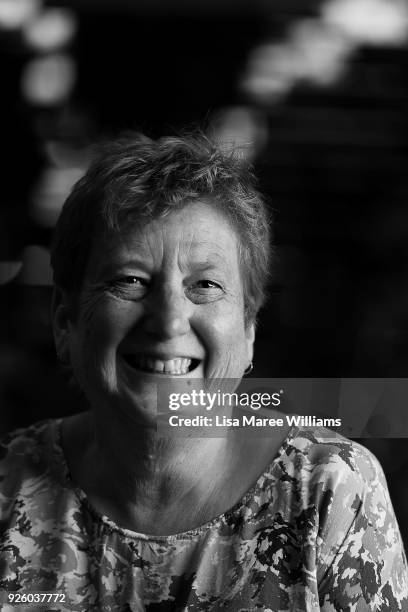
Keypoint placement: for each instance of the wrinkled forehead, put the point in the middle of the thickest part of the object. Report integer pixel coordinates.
(197, 234)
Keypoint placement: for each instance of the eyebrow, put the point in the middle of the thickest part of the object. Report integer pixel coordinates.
(208, 261)
(203, 266)
(207, 265)
(213, 258)
(111, 267)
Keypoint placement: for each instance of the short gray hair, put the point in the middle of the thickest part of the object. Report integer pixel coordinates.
(135, 177)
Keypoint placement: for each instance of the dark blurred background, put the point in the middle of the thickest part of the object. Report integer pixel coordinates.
(316, 94)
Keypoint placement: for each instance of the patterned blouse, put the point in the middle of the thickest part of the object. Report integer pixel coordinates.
(316, 532)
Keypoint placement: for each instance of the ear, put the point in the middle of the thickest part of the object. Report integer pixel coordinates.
(250, 339)
(61, 324)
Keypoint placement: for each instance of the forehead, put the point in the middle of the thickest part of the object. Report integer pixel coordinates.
(194, 234)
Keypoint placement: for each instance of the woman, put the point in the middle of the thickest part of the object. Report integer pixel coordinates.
(160, 261)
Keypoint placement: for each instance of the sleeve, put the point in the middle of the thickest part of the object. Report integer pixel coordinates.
(361, 560)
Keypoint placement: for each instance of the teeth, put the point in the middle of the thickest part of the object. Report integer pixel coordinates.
(173, 366)
(154, 365)
(179, 365)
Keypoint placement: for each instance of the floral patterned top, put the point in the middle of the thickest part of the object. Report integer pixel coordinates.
(316, 532)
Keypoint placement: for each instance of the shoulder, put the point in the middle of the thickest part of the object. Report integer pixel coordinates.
(342, 480)
(32, 432)
(26, 442)
(325, 457)
(25, 455)
(358, 541)
(328, 478)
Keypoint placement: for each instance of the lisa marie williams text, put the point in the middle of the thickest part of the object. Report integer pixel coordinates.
(245, 420)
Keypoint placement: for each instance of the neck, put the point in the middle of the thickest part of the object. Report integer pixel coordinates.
(143, 467)
(157, 485)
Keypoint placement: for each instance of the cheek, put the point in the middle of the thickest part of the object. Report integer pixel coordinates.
(225, 341)
(106, 320)
(103, 324)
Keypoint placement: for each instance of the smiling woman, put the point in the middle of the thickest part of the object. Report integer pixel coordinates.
(166, 299)
(160, 260)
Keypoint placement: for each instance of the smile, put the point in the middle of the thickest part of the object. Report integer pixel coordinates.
(178, 366)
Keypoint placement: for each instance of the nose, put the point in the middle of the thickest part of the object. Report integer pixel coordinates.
(168, 313)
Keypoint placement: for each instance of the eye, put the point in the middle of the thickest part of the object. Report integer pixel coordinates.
(132, 280)
(129, 286)
(208, 284)
(205, 290)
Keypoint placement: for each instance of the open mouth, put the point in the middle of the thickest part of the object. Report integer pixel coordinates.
(179, 366)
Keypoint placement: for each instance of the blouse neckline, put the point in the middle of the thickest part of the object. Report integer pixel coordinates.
(64, 472)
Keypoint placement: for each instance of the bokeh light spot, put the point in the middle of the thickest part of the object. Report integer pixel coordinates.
(48, 80)
(15, 13)
(51, 192)
(369, 21)
(51, 29)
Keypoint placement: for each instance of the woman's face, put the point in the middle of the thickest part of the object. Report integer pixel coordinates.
(164, 300)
